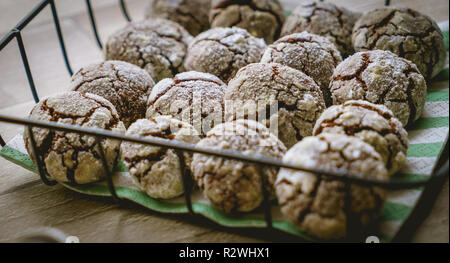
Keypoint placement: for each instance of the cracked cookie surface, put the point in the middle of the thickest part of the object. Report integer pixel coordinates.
(324, 207)
(324, 19)
(157, 170)
(313, 55)
(71, 157)
(381, 77)
(157, 45)
(193, 15)
(405, 32)
(231, 185)
(374, 124)
(223, 51)
(123, 84)
(193, 97)
(276, 95)
(261, 18)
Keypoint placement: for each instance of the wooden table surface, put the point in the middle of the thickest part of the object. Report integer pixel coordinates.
(27, 204)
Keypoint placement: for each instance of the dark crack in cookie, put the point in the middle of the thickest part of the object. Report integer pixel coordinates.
(324, 207)
(223, 51)
(231, 185)
(381, 77)
(157, 170)
(193, 15)
(157, 45)
(261, 18)
(276, 95)
(313, 55)
(193, 97)
(374, 124)
(125, 85)
(405, 32)
(71, 157)
(324, 19)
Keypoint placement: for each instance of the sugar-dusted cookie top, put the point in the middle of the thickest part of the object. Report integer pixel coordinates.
(231, 185)
(223, 51)
(322, 206)
(381, 77)
(157, 45)
(123, 84)
(157, 170)
(71, 157)
(313, 55)
(261, 18)
(324, 19)
(278, 96)
(405, 32)
(373, 123)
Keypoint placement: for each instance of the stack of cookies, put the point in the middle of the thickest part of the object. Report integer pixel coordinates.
(240, 76)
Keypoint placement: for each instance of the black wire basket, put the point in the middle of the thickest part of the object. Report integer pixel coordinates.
(431, 185)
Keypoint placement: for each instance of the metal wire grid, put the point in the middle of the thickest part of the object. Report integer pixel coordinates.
(433, 182)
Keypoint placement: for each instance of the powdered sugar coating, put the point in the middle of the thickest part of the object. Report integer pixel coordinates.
(261, 18)
(324, 19)
(193, 97)
(223, 51)
(318, 205)
(405, 32)
(193, 15)
(374, 124)
(300, 101)
(71, 157)
(313, 55)
(154, 169)
(381, 77)
(157, 45)
(231, 185)
(123, 84)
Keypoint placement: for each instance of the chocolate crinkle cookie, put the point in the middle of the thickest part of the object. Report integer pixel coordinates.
(374, 124)
(282, 98)
(193, 97)
(313, 55)
(157, 170)
(231, 185)
(405, 32)
(157, 45)
(381, 77)
(71, 157)
(193, 15)
(261, 18)
(324, 19)
(223, 51)
(125, 85)
(323, 207)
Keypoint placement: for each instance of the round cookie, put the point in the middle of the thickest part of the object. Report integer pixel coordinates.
(157, 170)
(324, 19)
(193, 97)
(374, 124)
(259, 88)
(125, 85)
(261, 18)
(381, 77)
(313, 55)
(231, 185)
(223, 51)
(193, 15)
(71, 157)
(321, 206)
(157, 45)
(405, 32)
